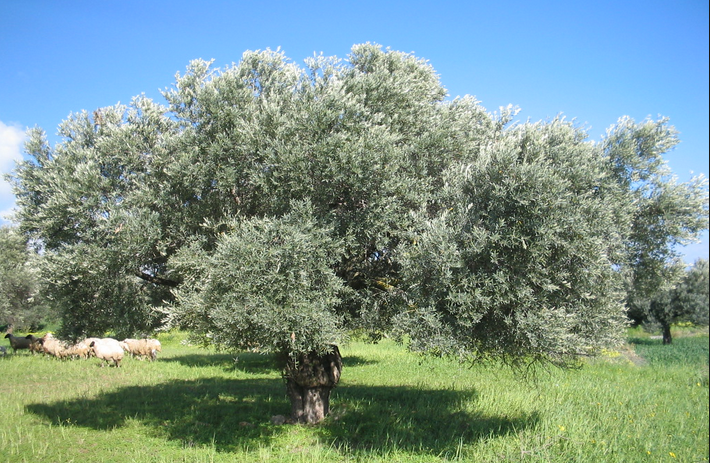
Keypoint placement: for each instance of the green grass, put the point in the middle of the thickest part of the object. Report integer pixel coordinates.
(646, 403)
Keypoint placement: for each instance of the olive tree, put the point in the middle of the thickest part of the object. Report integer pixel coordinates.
(693, 293)
(274, 207)
(662, 213)
(687, 301)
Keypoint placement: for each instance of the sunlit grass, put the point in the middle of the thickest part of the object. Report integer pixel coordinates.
(647, 402)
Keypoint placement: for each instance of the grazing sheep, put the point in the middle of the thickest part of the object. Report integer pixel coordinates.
(132, 346)
(17, 343)
(3, 351)
(155, 347)
(88, 342)
(79, 350)
(35, 343)
(107, 349)
(53, 346)
(142, 347)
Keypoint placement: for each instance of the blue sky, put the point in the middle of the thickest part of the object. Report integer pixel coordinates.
(590, 61)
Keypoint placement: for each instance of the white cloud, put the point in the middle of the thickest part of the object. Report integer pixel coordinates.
(12, 138)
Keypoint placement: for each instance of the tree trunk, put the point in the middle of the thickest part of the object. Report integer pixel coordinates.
(667, 339)
(309, 380)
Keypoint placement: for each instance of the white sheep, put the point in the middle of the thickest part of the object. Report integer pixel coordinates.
(155, 347)
(107, 349)
(88, 342)
(53, 346)
(142, 347)
(79, 350)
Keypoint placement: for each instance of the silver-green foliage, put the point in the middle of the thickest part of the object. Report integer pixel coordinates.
(661, 212)
(21, 304)
(469, 235)
(267, 286)
(521, 263)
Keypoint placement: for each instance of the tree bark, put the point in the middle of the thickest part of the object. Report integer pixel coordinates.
(155, 280)
(309, 380)
(667, 339)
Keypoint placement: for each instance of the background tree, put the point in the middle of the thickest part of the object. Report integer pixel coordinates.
(662, 212)
(692, 293)
(21, 303)
(686, 302)
(474, 238)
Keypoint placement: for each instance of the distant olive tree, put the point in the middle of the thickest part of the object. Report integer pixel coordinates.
(658, 208)
(692, 293)
(686, 302)
(274, 207)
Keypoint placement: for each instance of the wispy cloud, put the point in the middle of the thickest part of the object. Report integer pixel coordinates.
(12, 138)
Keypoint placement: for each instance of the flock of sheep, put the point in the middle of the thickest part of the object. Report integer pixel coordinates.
(108, 349)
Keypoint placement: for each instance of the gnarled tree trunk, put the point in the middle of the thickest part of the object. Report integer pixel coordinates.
(667, 338)
(309, 380)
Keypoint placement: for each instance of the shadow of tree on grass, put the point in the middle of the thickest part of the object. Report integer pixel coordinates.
(226, 412)
(645, 341)
(372, 418)
(235, 414)
(247, 362)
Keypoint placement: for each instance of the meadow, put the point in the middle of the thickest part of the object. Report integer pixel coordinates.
(644, 403)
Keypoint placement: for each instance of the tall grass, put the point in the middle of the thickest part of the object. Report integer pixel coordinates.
(647, 402)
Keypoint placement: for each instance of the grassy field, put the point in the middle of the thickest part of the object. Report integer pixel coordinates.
(645, 403)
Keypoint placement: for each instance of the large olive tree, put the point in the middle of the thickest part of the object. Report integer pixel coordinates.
(275, 207)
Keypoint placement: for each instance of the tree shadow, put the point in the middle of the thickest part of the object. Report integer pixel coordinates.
(232, 414)
(227, 412)
(202, 360)
(433, 421)
(645, 341)
(352, 361)
(247, 362)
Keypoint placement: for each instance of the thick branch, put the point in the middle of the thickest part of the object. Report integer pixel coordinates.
(155, 280)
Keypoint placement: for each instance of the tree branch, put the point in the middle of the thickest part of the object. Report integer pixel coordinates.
(155, 280)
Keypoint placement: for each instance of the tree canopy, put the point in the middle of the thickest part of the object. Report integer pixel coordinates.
(275, 207)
